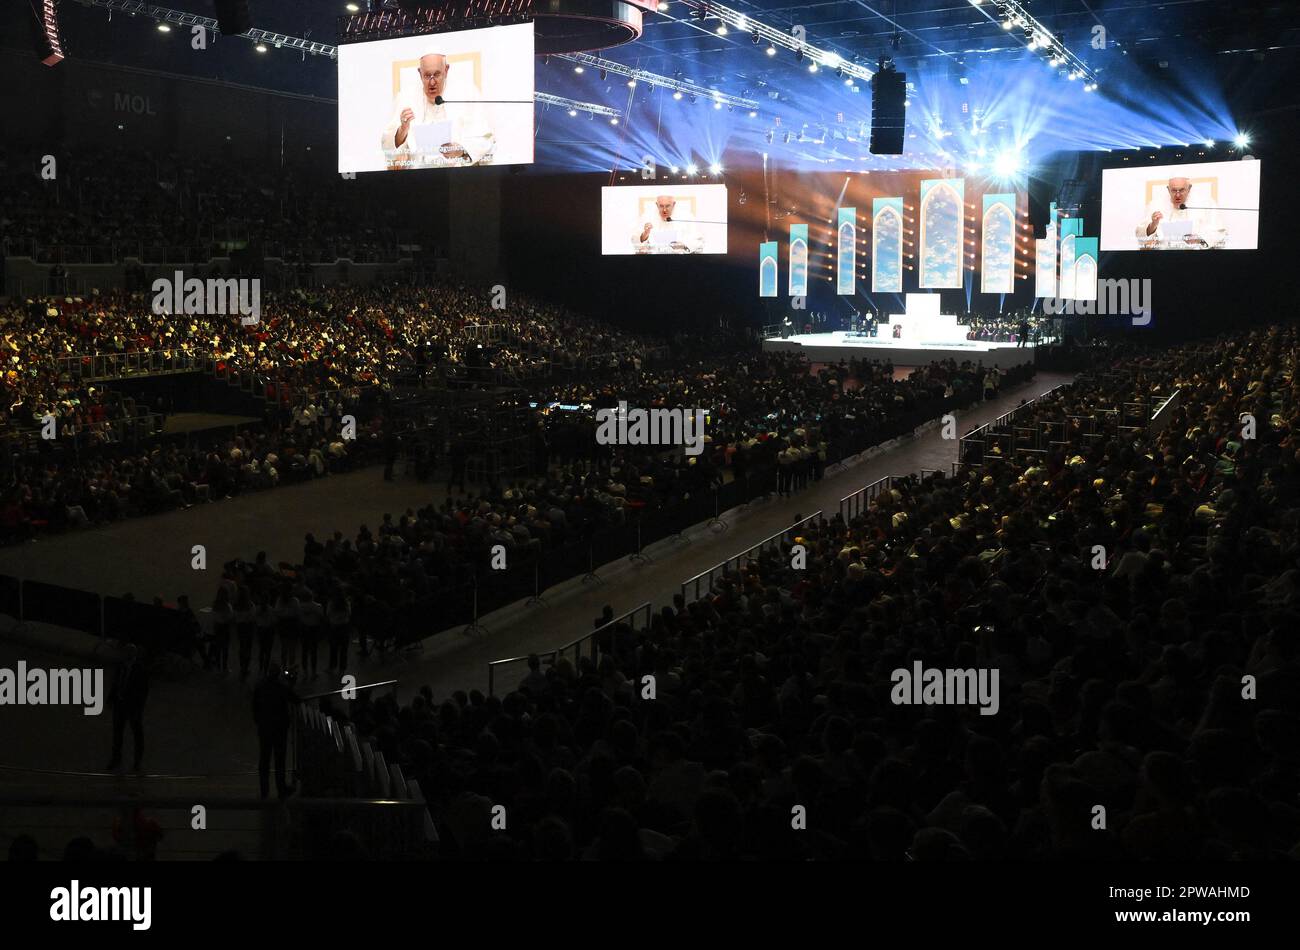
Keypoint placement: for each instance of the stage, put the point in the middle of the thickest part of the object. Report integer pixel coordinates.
(833, 347)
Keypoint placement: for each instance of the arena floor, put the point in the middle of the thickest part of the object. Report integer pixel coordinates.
(215, 739)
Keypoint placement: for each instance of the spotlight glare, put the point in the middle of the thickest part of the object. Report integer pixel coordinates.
(715, 169)
(1209, 143)
(614, 121)
(722, 29)
(164, 28)
(578, 69)
(1006, 164)
(1242, 140)
(812, 67)
(1006, 24)
(261, 47)
(573, 112)
(677, 95)
(753, 114)
(353, 8)
(691, 169)
(771, 51)
(631, 84)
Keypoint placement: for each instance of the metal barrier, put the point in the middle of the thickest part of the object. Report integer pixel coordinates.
(577, 646)
(691, 587)
(854, 503)
(88, 367)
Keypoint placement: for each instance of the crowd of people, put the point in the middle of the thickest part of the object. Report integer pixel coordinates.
(1137, 595)
(104, 204)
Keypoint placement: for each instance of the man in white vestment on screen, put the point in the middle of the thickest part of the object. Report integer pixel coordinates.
(1167, 220)
(666, 235)
(434, 133)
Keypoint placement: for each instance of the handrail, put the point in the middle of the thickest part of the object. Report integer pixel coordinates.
(853, 504)
(346, 689)
(740, 558)
(560, 651)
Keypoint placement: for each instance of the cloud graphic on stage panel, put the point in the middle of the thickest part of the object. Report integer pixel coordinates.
(941, 232)
(999, 259)
(888, 246)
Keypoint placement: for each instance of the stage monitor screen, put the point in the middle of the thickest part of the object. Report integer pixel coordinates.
(664, 219)
(442, 100)
(1195, 207)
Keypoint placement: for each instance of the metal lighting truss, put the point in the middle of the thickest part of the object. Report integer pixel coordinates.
(745, 24)
(683, 86)
(181, 18)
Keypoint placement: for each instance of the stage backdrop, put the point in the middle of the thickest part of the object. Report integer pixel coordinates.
(846, 262)
(998, 252)
(798, 260)
(1045, 265)
(1071, 231)
(1085, 268)
(767, 269)
(943, 216)
(887, 246)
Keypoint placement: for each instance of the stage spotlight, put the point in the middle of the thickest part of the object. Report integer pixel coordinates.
(573, 112)
(715, 169)
(578, 69)
(353, 8)
(673, 169)
(1007, 164)
(260, 47)
(753, 114)
(1209, 143)
(717, 105)
(631, 84)
(1242, 140)
(691, 169)
(812, 67)
(771, 51)
(722, 29)
(614, 121)
(1007, 24)
(164, 28)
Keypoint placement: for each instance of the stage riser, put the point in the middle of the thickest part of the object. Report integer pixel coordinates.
(1003, 357)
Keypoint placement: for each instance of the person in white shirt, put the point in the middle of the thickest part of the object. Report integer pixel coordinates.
(471, 140)
(1206, 229)
(664, 235)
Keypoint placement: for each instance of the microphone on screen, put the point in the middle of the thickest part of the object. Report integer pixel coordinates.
(437, 100)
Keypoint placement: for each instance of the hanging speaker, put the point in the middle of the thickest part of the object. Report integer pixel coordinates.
(888, 111)
(233, 17)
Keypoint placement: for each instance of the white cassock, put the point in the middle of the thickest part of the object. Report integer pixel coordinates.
(664, 234)
(1201, 214)
(467, 127)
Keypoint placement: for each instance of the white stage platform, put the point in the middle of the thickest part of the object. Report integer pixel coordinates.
(833, 347)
